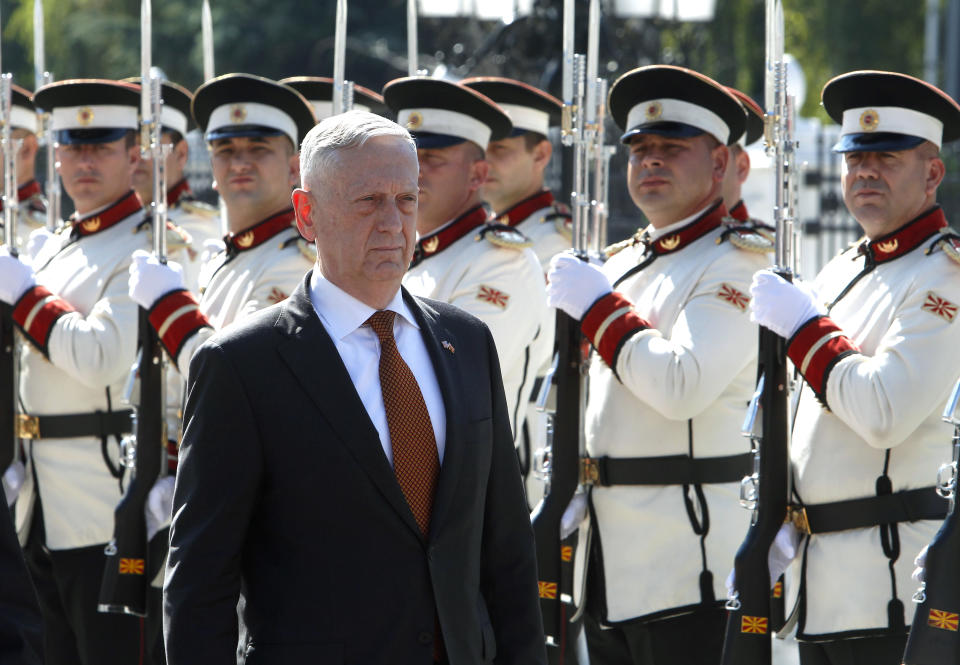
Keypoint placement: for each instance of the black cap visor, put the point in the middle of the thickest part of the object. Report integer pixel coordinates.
(234, 131)
(99, 135)
(429, 140)
(674, 130)
(876, 142)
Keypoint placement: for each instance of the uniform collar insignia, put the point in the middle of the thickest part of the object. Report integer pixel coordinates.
(906, 238)
(739, 211)
(111, 215)
(434, 243)
(525, 208)
(695, 230)
(259, 233)
(177, 192)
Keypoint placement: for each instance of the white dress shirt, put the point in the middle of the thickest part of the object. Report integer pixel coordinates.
(343, 317)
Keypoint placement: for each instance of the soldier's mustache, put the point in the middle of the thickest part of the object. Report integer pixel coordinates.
(653, 173)
(875, 185)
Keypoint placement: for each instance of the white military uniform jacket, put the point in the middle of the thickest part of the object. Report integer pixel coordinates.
(878, 371)
(201, 223)
(544, 221)
(260, 266)
(490, 272)
(82, 328)
(674, 369)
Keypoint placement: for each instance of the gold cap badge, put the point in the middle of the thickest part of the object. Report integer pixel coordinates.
(415, 120)
(654, 110)
(238, 113)
(85, 116)
(869, 120)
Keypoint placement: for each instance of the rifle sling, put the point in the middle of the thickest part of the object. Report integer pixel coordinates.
(72, 425)
(665, 470)
(904, 506)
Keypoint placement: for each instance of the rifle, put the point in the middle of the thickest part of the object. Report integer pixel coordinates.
(765, 492)
(412, 58)
(559, 463)
(933, 636)
(41, 78)
(342, 89)
(9, 346)
(129, 566)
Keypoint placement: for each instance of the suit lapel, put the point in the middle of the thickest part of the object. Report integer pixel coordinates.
(312, 357)
(434, 335)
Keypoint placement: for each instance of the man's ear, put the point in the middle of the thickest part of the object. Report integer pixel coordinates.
(743, 166)
(935, 173)
(478, 174)
(133, 158)
(303, 203)
(720, 156)
(541, 154)
(294, 170)
(181, 151)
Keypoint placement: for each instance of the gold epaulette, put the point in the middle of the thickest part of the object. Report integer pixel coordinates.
(618, 247)
(747, 238)
(198, 208)
(505, 236)
(949, 243)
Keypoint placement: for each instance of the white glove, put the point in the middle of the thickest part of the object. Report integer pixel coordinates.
(16, 277)
(782, 552)
(211, 247)
(12, 481)
(575, 284)
(782, 306)
(919, 573)
(159, 505)
(574, 515)
(150, 279)
(38, 238)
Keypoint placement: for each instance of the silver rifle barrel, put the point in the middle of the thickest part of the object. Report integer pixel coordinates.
(9, 149)
(569, 14)
(39, 57)
(779, 135)
(206, 32)
(412, 46)
(158, 151)
(339, 58)
(579, 197)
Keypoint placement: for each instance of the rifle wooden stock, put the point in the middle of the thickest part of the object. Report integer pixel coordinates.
(8, 387)
(747, 640)
(128, 569)
(561, 485)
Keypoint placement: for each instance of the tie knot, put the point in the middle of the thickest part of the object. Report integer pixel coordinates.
(382, 323)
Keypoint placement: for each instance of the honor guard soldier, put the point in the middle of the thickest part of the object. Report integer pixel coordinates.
(253, 127)
(461, 257)
(673, 368)
(514, 186)
(738, 170)
(318, 90)
(81, 332)
(878, 347)
(31, 203)
(198, 220)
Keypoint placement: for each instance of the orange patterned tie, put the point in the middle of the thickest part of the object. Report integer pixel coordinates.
(415, 460)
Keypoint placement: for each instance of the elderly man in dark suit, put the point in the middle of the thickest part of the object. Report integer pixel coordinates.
(347, 462)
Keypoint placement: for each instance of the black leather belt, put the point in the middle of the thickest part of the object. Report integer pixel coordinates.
(72, 425)
(905, 506)
(664, 470)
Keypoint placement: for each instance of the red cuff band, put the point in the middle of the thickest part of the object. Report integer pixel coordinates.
(608, 323)
(815, 348)
(36, 312)
(176, 316)
(172, 457)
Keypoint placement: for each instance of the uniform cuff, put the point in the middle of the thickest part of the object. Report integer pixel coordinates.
(608, 323)
(815, 348)
(36, 312)
(173, 453)
(176, 317)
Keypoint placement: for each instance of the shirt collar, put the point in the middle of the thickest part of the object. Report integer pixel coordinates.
(341, 313)
(654, 234)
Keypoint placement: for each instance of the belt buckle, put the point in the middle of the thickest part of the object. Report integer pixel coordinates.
(797, 515)
(589, 471)
(28, 427)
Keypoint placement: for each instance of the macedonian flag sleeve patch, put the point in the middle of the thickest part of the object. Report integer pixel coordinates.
(131, 566)
(548, 590)
(756, 625)
(943, 620)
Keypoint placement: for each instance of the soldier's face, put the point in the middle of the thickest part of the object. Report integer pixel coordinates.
(96, 174)
(256, 171)
(362, 213)
(516, 171)
(449, 178)
(885, 190)
(672, 178)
